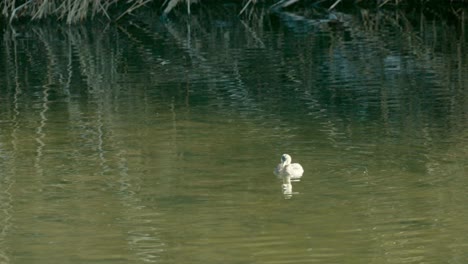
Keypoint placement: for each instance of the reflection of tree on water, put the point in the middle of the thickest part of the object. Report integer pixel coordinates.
(251, 84)
(337, 93)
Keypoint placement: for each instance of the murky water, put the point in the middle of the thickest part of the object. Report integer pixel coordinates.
(156, 142)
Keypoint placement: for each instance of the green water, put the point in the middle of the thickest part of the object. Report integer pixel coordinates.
(157, 143)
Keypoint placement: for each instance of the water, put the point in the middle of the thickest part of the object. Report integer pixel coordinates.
(155, 142)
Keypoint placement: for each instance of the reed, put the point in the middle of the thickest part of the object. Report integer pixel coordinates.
(73, 11)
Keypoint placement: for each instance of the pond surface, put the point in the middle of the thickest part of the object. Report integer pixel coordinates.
(156, 141)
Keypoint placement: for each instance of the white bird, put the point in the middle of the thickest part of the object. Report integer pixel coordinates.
(288, 171)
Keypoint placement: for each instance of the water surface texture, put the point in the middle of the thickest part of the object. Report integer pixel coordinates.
(155, 141)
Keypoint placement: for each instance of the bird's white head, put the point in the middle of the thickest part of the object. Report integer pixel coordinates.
(285, 159)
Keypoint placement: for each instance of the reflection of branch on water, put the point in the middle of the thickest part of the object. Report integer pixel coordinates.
(185, 41)
(40, 134)
(420, 42)
(239, 91)
(254, 35)
(56, 68)
(8, 165)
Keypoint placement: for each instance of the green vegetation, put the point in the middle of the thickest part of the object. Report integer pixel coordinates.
(73, 11)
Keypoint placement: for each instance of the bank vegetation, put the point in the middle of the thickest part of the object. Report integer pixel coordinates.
(75, 11)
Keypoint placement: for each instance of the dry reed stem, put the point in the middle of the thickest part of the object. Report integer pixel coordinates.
(333, 6)
(70, 10)
(133, 7)
(74, 10)
(383, 3)
(284, 3)
(170, 5)
(245, 7)
(13, 14)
